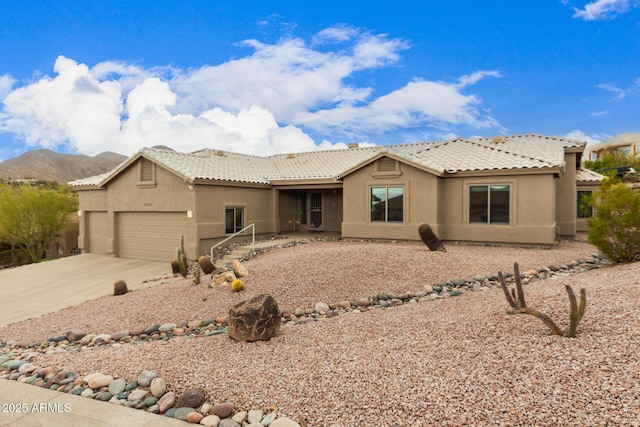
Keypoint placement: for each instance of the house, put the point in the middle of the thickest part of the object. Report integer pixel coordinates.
(520, 189)
(624, 143)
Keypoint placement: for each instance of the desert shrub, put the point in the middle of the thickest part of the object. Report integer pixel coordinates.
(615, 225)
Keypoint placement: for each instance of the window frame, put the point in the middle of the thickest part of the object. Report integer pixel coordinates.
(235, 209)
(580, 215)
(489, 206)
(386, 219)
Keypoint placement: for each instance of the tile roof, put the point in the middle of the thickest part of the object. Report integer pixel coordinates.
(458, 155)
(587, 175)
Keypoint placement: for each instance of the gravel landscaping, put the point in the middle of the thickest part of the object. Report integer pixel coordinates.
(440, 361)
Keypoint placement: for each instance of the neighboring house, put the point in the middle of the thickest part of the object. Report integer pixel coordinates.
(624, 143)
(514, 190)
(66, 243)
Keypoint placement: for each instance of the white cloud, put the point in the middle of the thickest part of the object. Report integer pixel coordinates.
(71, 108)
(602, 9)
(263, 103)
(591, 139)
(620, 93)
(475, 77)
(6, 83)
(419, 102)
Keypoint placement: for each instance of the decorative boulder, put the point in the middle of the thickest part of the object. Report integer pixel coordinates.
(206, 265)
(220, 279)
(120, 288)
(238, 269)
(230, 276)
(190, 398)
(429, 238)
(255, 319)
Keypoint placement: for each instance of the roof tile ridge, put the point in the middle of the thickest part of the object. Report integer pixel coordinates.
(506, 151)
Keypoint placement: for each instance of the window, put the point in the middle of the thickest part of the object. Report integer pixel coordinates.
(489, 204)
(387, 204)
(584, 210)
(234, 220)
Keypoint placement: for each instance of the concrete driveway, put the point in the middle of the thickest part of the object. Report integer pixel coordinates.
(36, 289)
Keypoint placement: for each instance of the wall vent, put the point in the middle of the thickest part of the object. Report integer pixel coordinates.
(146, 170)
(386, 164)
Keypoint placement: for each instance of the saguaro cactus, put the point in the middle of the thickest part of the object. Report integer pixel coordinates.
(518, 305)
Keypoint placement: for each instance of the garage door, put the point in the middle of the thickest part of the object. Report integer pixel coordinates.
(152, 236)
(98, 232)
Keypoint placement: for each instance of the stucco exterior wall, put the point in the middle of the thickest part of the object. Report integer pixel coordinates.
(420, 203)
(532, 211)
(566, 198)
(125, 194)
(211, 202)
(444, 204)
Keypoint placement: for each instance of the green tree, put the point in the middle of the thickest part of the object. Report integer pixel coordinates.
(615, 225)
(612, 160)
(31, 217)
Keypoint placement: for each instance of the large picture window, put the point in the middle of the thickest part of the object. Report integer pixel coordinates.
(489, 204)
(387, 204)
(234, 220)
(584, 210)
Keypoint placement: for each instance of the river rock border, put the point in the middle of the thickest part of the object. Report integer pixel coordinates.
(149, 392)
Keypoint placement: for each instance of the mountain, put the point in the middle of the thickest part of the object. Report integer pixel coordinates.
(48, 165)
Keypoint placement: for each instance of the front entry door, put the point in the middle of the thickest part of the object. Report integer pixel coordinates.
(315, 212)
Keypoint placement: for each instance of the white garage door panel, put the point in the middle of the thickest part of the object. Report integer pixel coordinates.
(151, 236)
(98, 232)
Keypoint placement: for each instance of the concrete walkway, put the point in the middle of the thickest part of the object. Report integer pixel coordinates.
(36, 289)
(24, 405)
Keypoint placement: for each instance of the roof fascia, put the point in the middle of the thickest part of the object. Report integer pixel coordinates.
(574, 149)
(504, 172)
(308, 182)
(335, 185)
(222, 183)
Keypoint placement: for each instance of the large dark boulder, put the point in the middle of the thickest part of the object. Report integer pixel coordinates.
(429, 238)
(255, 319)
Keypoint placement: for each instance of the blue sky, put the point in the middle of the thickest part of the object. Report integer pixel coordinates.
(263, 77)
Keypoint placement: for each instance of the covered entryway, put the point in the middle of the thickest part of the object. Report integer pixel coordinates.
(310, 210)
(153, 236)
